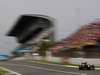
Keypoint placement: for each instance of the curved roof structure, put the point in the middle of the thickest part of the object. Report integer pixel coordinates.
(29, 26)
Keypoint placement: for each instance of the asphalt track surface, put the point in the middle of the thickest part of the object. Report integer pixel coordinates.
(30, 68)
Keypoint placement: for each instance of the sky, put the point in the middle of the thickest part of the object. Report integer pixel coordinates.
(69, 15)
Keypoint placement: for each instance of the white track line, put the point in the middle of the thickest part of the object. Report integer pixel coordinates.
(59, 65)
(11, 71)
(53, 70)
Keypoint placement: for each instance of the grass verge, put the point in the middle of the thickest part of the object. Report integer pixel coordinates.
(65, 64)
(52, 62)
(3, 71)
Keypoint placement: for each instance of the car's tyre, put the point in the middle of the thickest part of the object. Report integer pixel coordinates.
(92, 67)
(88, 68)
(80, 68)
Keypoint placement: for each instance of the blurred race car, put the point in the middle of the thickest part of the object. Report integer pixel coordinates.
(85, 66)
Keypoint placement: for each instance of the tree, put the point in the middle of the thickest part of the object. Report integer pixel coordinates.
(44, 46)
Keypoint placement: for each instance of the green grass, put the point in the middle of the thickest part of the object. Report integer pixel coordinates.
(73, 64)
(97, 66)
(66, 64)
(3, 72)
(51, 62)
(46, 62)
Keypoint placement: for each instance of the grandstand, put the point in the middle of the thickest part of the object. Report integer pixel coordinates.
(31, 29)
(85, 39)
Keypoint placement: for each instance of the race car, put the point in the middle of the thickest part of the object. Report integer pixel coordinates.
(85, 66)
